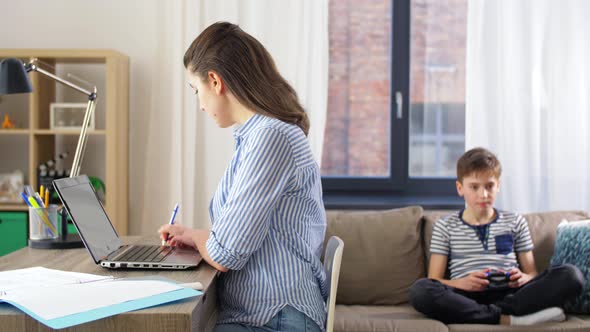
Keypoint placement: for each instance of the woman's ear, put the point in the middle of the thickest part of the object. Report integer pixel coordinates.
(215, 82)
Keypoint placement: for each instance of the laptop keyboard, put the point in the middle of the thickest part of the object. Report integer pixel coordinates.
(140, 253)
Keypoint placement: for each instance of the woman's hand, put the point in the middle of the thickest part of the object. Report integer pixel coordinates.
(185, 237)
(518, 278)
(474, 282)
(178, 235)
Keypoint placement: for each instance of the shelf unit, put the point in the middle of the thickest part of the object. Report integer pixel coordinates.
(112, 133)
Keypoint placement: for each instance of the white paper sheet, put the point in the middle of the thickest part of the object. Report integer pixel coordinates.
(42, 277)
(52, 293)
(63, 300)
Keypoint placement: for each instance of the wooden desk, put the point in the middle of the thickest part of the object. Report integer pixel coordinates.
(193, 314)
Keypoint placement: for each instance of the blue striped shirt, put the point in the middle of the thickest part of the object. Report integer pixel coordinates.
(268, 226)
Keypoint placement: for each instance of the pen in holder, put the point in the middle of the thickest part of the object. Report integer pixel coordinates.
(42, 236)
(43, 223)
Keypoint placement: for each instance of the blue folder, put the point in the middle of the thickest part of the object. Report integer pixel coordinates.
(91, 315)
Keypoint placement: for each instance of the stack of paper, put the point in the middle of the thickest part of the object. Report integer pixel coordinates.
(53, 297)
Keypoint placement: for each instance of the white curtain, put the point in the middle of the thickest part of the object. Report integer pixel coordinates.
(528, 99)
(185, 153)
(295, 32)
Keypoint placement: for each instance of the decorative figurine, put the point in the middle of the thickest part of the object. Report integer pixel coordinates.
(7, 123)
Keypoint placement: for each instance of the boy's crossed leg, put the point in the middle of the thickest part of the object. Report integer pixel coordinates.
(536, 302)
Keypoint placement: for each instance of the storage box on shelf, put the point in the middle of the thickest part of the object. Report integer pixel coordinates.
(13, 231)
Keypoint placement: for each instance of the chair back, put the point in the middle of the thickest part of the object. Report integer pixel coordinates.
(332, 260)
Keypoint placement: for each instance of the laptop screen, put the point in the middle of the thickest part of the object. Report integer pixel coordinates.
(87, 212)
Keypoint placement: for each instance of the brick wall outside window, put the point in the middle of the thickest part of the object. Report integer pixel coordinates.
(357, 128)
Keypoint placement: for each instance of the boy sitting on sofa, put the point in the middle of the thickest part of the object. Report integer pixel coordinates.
(493, 279)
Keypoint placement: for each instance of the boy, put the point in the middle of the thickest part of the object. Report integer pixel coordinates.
(479, 240)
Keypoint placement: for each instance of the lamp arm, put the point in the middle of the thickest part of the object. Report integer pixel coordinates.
(83, 138)
(32, 66)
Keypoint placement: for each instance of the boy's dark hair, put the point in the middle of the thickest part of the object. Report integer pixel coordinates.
(478, 160)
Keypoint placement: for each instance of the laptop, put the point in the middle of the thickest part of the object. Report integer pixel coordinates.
(101, 239)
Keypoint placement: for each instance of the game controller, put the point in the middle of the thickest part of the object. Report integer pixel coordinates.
(498, 279)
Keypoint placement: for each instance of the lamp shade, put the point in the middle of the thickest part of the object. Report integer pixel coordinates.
(13, 77)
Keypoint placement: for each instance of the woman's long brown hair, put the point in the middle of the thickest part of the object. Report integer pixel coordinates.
(248, 71)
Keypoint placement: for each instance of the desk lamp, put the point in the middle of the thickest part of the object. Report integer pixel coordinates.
(14, 79)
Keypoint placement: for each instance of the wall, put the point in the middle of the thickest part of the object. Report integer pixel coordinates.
(135, 29)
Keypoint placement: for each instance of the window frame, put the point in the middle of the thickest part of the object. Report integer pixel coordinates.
(398, 189)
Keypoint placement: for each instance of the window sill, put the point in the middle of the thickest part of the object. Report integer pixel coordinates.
(383, 201)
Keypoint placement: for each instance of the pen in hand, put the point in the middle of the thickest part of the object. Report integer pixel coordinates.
(171, 222)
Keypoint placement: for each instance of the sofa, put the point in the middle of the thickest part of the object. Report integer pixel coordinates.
(386, 251)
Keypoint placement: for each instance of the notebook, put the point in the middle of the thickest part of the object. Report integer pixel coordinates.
(101, 239)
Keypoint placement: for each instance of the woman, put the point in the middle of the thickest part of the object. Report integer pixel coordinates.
(267, 215)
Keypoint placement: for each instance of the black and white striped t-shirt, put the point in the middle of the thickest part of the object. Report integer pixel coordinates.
(505, 235)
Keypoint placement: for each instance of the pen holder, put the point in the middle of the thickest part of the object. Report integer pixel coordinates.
(43, 223)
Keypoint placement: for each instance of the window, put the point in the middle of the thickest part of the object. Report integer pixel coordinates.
(384, 53)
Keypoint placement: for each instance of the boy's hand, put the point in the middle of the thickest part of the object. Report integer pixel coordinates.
(518, 278)
(474, 282)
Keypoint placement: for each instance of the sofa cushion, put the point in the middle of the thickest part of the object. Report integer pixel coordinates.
(572, 324)
(382, 257)
(365, 318)
(584, 318)
(573, 246)
(542, 226)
